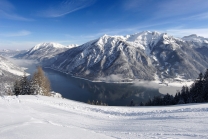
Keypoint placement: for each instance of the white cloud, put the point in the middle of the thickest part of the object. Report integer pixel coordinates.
(16, 34)
(12, 16)
(177, 7)
(7, 11)
(6, 6)
(198, 16)
(134, 4)
(168, 8)
(184, 32)
(65, 7)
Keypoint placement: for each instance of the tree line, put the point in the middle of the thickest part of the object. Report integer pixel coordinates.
(37, 84)
(196, 93)
(97, 103)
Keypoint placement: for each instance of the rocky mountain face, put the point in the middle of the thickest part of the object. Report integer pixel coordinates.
(44, 51)
(146, 55)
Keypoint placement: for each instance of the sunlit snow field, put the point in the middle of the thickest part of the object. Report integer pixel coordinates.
(32, 117)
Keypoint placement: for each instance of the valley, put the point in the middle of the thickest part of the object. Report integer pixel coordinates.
(117, 69)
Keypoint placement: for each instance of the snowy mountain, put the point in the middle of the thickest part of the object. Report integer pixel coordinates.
(197, 41)
(11, 53)
(8, 73)
(72, 45)
(200, 44)
(32, 117)
(146, 55)
(43, 51)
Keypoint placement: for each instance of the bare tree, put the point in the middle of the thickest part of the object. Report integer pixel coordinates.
(40, 83)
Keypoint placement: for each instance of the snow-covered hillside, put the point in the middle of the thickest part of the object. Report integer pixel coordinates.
(32, 117)
(146, 55)
(8, 74)
(43, 51)
(7, 66)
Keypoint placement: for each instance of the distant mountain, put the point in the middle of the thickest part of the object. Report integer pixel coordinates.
(43, 51)
(146, 55)
(11, 53)
(200, 44)
(197, 41)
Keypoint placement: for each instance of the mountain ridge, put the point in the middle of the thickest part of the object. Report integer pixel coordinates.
(139, 56)
(146, 55)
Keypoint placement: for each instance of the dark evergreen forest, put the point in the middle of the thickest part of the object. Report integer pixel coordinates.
(196, 93)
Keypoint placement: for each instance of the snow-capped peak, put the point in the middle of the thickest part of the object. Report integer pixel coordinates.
(72, 46)
(108, 39)
(144, 40)
(195, 38)
(49, 44)
(43, 51)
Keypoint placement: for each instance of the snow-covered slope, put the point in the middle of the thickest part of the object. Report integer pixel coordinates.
(146, 55)
(8, 74)
(43, 51)
(197, 40)
(106, 56)
(7, 66)
(32, 117)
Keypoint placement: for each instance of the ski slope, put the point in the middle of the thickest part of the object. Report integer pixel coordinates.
(32, 117)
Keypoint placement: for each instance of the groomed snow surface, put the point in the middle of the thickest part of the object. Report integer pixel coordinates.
(39, 117)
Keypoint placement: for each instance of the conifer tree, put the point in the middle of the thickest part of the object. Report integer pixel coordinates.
(37, 85)
(199, 88)
(24, 85)
(17, 88)
(205, 86)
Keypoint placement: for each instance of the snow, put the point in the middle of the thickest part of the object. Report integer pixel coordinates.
(144, 39)
(72, 46)
(196, 39)
(31, 117)
(50, 44)
(6, 65)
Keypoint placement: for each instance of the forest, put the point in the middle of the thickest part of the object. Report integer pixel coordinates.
(37, 84)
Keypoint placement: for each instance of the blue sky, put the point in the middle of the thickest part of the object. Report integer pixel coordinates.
(24, 23)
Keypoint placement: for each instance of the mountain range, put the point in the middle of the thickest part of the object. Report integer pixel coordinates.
(146, 55)
(44, 51)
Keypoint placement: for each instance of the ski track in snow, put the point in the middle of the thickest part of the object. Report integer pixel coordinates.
(31, 117)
